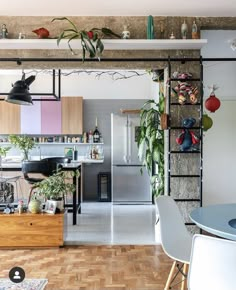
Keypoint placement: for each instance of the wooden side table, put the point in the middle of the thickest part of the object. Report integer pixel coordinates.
(31, 230)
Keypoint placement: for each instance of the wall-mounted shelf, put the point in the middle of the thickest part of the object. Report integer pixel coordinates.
(57, 143)
(109, 44)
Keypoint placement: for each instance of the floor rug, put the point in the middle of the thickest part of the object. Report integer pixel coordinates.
(27, 284)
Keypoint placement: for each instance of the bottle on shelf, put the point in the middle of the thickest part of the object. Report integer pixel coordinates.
(195, 34)
(184, 30)
(75, 153)
(96, 133)
(90, 136)
(85, 137)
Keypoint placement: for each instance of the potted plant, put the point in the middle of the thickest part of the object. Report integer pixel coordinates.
(24, 143)
(151, 140)
(55, 187)
(91, 40)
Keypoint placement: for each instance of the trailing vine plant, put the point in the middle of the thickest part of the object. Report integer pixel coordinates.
(151, 139)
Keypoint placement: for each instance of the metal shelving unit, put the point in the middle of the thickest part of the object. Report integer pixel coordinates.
(198, 128)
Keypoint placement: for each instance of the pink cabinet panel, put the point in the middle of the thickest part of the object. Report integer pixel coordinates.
(50, 117)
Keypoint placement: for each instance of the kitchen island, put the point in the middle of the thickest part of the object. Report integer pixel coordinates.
(76, 203)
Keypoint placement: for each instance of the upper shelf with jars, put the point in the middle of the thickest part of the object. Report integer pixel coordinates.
(109, 44)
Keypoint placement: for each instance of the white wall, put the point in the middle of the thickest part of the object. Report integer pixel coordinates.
(219, 154)
(88, 86)
(220, 157)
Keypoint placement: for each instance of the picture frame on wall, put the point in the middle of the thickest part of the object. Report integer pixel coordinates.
(50, 206)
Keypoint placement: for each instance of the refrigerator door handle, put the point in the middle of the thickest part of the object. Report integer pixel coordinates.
(129, 141)
(126, 156)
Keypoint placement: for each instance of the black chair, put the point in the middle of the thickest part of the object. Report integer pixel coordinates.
(54, 163)
(33, 167)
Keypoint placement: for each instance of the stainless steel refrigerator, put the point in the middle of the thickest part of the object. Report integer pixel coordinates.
(129, 186)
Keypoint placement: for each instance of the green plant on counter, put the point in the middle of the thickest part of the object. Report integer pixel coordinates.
(24, 143)
(91, 40)
(151, 140)
(4, 150)
(56, 186)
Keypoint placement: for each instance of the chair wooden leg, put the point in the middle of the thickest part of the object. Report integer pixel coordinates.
(184, 281)
(167, 287)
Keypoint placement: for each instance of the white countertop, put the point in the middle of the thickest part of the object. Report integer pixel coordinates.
(15, 161)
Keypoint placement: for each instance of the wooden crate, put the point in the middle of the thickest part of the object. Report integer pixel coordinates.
(31, 230)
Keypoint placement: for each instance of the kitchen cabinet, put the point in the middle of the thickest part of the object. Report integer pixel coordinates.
(9, 118)
(72, 115)
(50, 117)
(31, 119)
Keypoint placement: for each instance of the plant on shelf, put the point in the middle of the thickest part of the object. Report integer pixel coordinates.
(24, 143)
(91, 40)
(151, 140)
(56, 186)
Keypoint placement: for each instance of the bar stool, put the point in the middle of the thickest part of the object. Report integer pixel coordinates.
(33, 167)
(54, 163)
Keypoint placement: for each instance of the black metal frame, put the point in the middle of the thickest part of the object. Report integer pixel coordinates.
(56, 77)
(200, 106)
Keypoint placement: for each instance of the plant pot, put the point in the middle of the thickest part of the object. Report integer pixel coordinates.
(60, 204)
(34, 206)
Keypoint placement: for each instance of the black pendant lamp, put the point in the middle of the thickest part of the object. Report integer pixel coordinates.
(19, 94)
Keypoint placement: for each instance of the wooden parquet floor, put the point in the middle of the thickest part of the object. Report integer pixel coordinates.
(92, 267)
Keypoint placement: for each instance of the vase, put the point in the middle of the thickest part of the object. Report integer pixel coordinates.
(25, 156)
(34, 206)
(184, 30)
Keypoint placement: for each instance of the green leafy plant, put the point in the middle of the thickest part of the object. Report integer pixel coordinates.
(24, 143)
(4, 150)
(91, 40)
(56, 186)
(151, 141)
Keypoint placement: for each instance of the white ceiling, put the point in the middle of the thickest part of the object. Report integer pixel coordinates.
(118, 8)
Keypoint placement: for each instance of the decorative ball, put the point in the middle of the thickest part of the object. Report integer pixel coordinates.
(212, 103)
(206, 122)
(34, 206)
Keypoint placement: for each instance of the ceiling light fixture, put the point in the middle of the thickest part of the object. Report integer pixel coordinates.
(20, 94)
(21, 89)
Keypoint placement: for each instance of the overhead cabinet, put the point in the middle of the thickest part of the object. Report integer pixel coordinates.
(9, 118)
(72, 115)
(46, 117)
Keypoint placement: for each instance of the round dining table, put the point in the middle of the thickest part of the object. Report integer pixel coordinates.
(219, 220)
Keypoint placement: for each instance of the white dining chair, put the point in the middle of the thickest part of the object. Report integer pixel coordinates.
(212, 264)
(175, 238)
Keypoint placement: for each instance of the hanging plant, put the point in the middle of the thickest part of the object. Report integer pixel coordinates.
(151, 140)
(91, 40)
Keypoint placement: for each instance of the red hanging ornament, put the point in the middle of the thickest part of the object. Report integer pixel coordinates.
(212, 103)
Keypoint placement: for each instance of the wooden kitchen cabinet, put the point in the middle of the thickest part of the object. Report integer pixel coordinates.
(31, 230)
(72, 115)
(9, 118)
